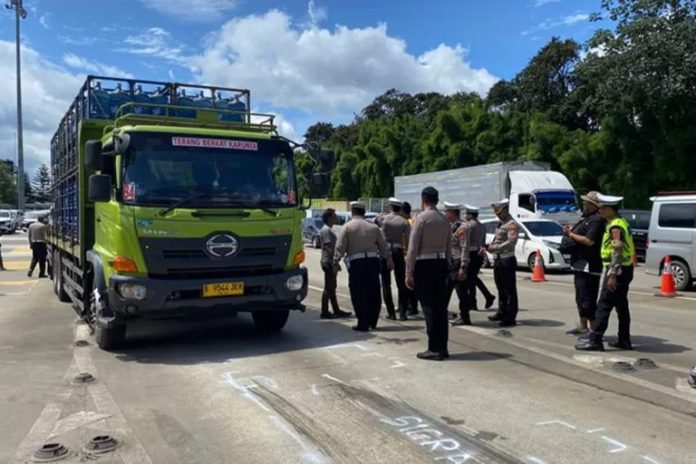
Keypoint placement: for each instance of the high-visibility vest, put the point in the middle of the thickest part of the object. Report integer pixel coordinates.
(628, 248)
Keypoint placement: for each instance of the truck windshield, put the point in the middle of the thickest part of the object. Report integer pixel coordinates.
(556, 201)
(161, 169)
(544, 228)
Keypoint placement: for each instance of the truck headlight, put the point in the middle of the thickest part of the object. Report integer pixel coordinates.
(132, 291)
(294, 283)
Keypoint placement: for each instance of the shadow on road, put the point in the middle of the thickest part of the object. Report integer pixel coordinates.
(541, 323)
(646, 344)
(478, 356)
(212, 341)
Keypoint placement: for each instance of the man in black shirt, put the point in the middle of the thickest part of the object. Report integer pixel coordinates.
(585, 241)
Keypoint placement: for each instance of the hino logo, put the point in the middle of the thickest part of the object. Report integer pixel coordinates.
(222, 245)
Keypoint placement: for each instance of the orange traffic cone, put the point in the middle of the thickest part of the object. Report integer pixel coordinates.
(667, 287)
(538, 273)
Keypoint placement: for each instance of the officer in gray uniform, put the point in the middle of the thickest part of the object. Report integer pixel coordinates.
(396, 232)
(363, 244)
(455, 279)
(473, 239)
(327, 238)
(505, 265)
(427, 267)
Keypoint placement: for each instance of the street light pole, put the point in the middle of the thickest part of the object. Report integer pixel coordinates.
(20, 12)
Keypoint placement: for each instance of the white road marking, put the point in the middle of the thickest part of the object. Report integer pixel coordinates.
(313, 389)
(559, 422)
(377, 355)
(76, 421)
(683, 386)
(397, 363)
(330, 377)
(619, 446)
(357, 346)
(651, 460)
(601, 429)
(534, 460)
(310, 453)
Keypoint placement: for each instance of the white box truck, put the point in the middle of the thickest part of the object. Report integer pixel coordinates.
(533, 189)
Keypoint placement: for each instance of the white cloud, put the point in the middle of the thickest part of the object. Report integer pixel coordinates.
(564, 21)
(93, 67)
(192, 10)
(47, 93)
(154, 42)
(316, 13)
(332, 73)
(575, 18)
(78, 41)
(43, 20)
(540, 3)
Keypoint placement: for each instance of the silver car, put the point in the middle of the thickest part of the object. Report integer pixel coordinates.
(673, 233)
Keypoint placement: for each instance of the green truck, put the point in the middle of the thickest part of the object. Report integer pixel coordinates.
(171, 200)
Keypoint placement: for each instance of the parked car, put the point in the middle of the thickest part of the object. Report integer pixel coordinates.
(673, 233)
(639, 220)
(7, 225)
(312, 226)
(534, 234)
(17, 218)
(32, 216)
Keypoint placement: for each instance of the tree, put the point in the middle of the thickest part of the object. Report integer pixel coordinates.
(42, 184)
(8, 186)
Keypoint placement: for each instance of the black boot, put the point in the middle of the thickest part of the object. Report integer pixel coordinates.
(590, 346)
(496, 317)
(621, 345)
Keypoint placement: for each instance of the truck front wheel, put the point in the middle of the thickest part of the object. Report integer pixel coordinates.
(271, 321)
(107, 338)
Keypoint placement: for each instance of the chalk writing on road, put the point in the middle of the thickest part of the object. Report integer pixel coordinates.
(443, 448)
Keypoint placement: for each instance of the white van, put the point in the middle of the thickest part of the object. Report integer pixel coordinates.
(673, 233)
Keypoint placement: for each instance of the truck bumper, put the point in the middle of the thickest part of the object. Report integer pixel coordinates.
(177, 297)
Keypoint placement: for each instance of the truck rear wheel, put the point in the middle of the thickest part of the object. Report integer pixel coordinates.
(107, 338)
(271, 321)
(58, 286)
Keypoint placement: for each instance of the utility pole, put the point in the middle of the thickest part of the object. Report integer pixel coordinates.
(20, 13)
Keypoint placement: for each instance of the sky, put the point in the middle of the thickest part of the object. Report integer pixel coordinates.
(303, 60)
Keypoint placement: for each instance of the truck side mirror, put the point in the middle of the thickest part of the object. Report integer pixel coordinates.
(319, 187)
(93, 155)
(99, 188)
(327, 158)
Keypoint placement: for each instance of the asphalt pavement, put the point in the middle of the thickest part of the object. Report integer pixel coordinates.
(202, 391)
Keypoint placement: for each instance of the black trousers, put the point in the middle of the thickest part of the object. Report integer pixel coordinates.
(505, 275)
(38, 255)
(397, 255)
(618, 299)
(472, 280)
(363, 282)
(586, 293)
(329, 293)
(430, 277)
(460, 286)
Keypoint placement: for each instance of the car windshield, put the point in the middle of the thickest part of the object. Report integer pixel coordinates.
(4, 214)
(544, 228)
(556, 201)
(214, 172)
(33, 214)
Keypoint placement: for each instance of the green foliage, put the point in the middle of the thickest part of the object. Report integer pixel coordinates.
(41, 185)
(617, 114)
(8, 187)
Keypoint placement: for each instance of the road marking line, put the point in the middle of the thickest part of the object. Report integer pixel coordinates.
(39, 431)
(534, 460)
(559, 422)
(313, 389)
(331, 377)
(18, 282)
(682, 385)
(601, 429)
(649, 459)
(619, 446)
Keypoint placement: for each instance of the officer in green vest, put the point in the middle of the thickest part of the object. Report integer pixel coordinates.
(617, 252)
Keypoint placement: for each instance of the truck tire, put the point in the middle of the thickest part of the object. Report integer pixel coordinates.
(107, 338)
(270, 321)
(58, 286)
(682, 275)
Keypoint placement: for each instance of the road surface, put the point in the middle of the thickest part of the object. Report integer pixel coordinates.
(221, 392)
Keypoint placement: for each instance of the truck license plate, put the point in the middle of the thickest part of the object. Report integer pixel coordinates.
(223, 289)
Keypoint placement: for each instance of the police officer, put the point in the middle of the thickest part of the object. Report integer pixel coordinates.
(455, 279)
(396, 232)
(472, 240)
(585, 242)
(411, 300)
(617, 255)
(426, 271)
(327, 238)
(505, 265)
(37, 235)
(363, 244)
